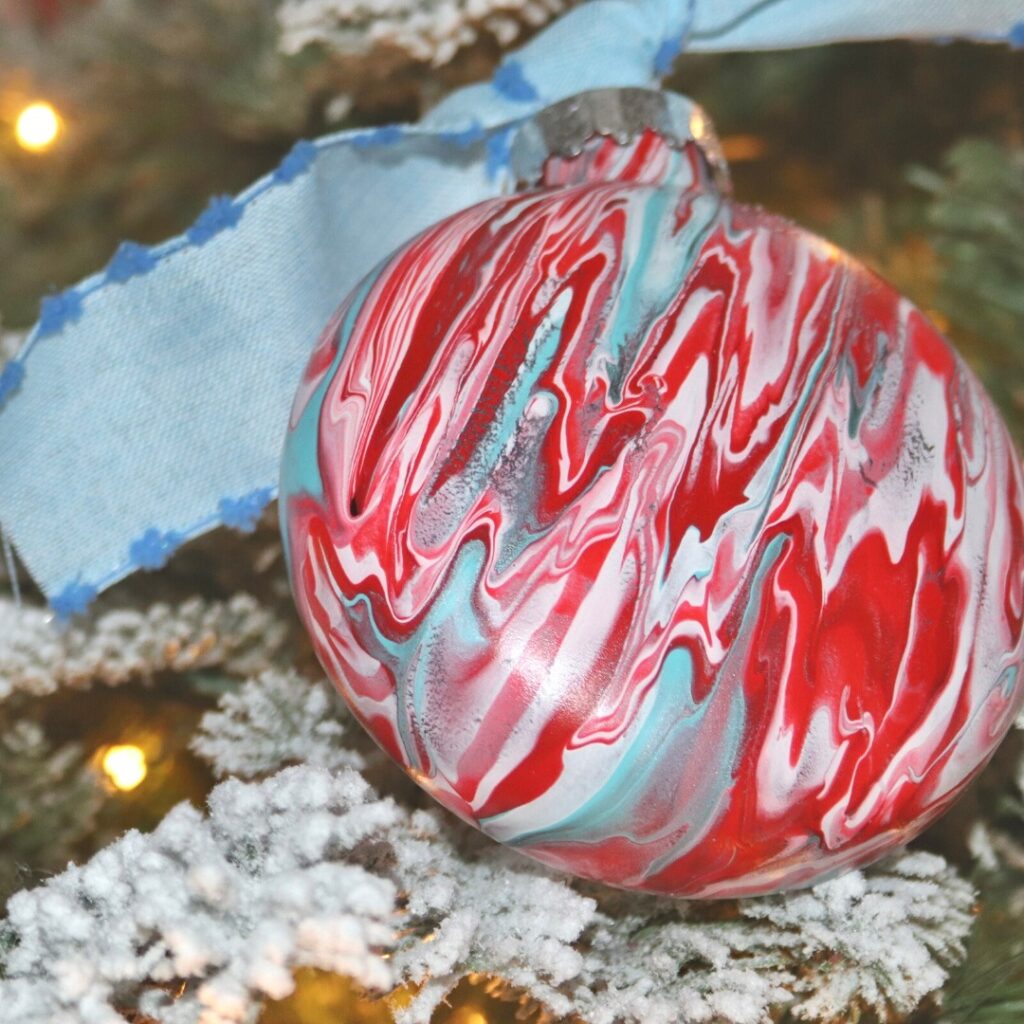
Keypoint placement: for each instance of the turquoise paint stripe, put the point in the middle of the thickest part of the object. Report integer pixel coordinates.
(642, 768)
(452, 624)
(541, 352)
(609, 810)
(795, 420)
(300, 470)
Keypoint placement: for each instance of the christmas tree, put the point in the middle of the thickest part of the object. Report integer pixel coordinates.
(192, 826)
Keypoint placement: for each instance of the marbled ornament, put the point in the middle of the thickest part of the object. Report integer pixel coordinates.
(657, 537)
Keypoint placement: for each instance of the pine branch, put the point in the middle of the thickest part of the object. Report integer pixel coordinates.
(120, 646)
(276, 719)
(431, 31)
(312, 869)
(49, 798)
(976, 225)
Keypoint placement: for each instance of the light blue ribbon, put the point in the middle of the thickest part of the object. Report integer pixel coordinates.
(149, 403)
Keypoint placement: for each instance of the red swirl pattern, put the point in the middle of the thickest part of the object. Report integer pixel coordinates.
(658, 539)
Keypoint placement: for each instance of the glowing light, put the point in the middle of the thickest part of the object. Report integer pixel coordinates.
(37, 127)
(469, 1015)
(125, 766)
(741, 148)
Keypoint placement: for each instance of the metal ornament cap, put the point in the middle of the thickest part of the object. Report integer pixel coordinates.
(564, 128)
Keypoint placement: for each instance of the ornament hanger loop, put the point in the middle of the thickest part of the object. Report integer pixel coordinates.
(563, 128)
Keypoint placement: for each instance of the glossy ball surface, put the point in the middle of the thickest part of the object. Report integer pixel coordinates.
(658, 539)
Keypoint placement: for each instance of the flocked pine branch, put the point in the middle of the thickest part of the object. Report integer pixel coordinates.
(37, 657)
(310, 869)
(275, 719)
(279, 718)
(426, 30)
(225, 904)
(209, 915)
(921, 907)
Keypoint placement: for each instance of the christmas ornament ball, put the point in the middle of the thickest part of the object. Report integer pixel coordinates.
(655, 536)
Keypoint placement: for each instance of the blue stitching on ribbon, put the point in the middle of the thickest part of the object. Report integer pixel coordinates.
(153, 549)
(386, 135)
(1015, 37)
(130, 260)
(499, 149)
(671, 48)
(11, 376)
(666, 55)
(464, 137)
(299, 160)
(236, 513)
(221, 213)
(57, 311)
(511, 82)
(73, 600)
(244, 512)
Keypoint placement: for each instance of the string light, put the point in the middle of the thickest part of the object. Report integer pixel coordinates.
(125, 766)
(469, 1015)
(37, 127)
(742, 148)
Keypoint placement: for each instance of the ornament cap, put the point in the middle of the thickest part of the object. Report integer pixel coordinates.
(622, 115)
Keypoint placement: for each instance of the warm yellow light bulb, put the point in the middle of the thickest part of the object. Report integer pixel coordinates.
(37, 127)
(125, 766)
(469, 1015)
